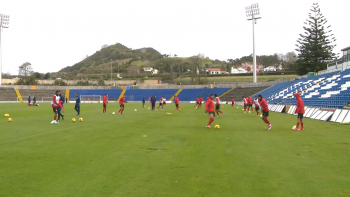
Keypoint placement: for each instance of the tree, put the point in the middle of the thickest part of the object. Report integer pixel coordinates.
(315, 45)
(25, 69)
(249, 69)
(47, 76)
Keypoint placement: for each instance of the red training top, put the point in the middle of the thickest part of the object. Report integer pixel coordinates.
(160, 100)
(56, 101)
(300, 104)
(233, 100)
(209, 105)
(122, 101)
(201, 99)
(263, 105)
(198, 100)
(245, 101)
(250, 101)
(177, 100)
(105, 100)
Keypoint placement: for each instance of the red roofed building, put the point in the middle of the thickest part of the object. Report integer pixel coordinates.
(214, 71)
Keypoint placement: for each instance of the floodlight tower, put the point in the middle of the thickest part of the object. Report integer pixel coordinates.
(251, 12)
(4, 23)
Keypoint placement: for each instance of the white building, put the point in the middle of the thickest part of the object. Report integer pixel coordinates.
(151, 70)
(270, 69)
(237, 70)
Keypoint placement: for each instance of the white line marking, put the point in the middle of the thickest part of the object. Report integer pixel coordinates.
(15, 140)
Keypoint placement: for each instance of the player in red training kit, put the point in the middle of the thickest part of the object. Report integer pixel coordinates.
(177, 101)
(245, 103)
(300, 110)
(55, 105)
(250, 104)
(160, 103)
(265, 111)
(217, 107)
(197, 102)
(233, 102)
(121, 104)
(149, 100)
(209, 108)
(105, 104)
(200, 102)
(257, 106)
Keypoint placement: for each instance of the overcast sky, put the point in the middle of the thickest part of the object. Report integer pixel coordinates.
(55, 34)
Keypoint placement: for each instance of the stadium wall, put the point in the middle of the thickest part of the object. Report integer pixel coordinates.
(221, 85)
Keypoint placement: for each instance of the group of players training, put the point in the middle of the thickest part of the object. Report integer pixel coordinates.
(260, 102)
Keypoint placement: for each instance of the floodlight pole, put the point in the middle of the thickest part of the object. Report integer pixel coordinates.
(0, 53)
(4, 22)
(111, 70)
(253, 19)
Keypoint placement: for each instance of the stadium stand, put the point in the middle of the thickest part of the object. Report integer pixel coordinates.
(237, 93)
(138, 94)
(328, 90)
(7, 94)
(39, 94)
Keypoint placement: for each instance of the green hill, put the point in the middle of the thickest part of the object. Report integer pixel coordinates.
(100, 61)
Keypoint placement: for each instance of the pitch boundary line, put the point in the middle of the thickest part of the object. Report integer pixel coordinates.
(19, 139)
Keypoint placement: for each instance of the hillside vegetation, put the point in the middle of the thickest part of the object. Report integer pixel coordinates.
(129, 63)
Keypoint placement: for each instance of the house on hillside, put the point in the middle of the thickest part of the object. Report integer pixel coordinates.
(237, 70)
(270, 69)
(151, 70)
(214, 71)
(246, 65)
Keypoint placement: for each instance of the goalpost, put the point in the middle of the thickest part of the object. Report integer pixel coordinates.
(90, 98)
(46, 99)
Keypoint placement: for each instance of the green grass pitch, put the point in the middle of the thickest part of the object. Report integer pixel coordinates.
(146, 153)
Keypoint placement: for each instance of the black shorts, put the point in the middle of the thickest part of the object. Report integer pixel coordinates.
(55, 109)
(245, 105)
(250, 105)
(212, 113)
(265, 113)
(217, 107)
(177, 105)
(104, 105)
(122, 105)
(160, 104)
(164, 103)
(197, 103)
(300, 115)
(233, 103)
(257, 108)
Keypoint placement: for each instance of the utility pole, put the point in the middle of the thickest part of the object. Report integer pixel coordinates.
(111, 70)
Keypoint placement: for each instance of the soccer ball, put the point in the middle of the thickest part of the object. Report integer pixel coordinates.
(149, 108)
(6, 115)
(10, 120)
(135, 109)
(260, 115)
(73, 120)
(80, 119)
(237, 107)
(168, 114)
(294, 127)
(217, 126)
(113, 113)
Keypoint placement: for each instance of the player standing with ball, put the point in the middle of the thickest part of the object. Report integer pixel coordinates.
(209, 107)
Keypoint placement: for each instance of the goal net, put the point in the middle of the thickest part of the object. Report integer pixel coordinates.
(90, 99)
